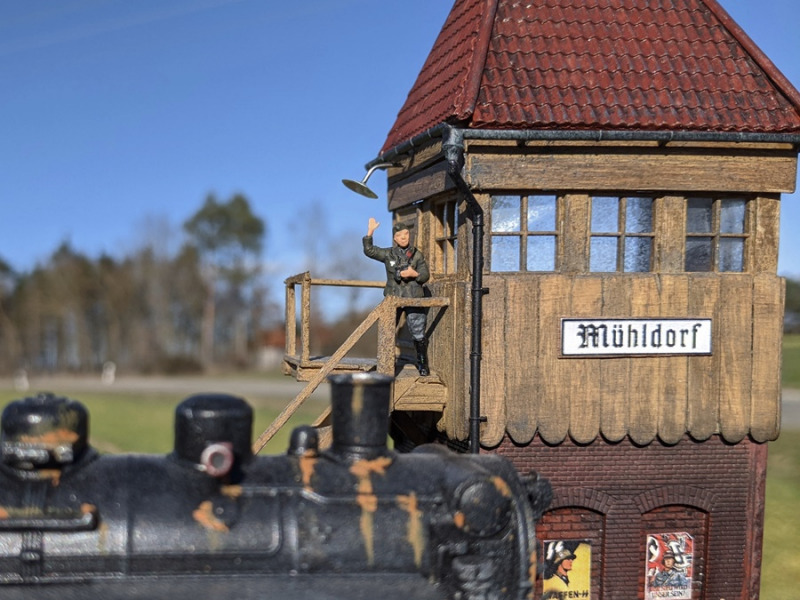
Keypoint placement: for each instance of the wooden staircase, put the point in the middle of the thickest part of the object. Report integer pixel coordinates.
(411, 392)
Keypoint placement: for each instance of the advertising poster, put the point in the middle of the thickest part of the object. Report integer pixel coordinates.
(567, 569)
(670, 558)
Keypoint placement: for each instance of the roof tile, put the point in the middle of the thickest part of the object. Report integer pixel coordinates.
(577, 64)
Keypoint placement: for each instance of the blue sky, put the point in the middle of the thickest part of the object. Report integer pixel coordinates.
(120, 116)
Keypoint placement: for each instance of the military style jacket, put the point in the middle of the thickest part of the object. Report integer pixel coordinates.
(396, 259)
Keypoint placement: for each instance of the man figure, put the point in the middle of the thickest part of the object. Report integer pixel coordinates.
(406, 271)
(670, 576)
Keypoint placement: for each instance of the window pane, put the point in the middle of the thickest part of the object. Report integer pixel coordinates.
(731, 254)
(541, 253)
(440, 211)
(637, 254)
(698, 254)
(698, 215)
(639, 215)
(603, 254)
(541, 213)
(731, 218)
(605, 214)
(505, 213)
(505, 253)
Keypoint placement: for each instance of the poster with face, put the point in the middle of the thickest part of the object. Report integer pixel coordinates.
(567, 569)
(670, 560)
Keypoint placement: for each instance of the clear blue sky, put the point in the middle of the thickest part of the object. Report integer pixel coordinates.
(121, 113)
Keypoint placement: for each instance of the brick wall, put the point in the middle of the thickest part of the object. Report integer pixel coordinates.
(615, 494)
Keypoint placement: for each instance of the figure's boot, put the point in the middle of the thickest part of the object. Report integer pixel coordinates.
(422, 357)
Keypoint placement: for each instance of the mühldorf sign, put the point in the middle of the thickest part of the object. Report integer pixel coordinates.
(635, 337)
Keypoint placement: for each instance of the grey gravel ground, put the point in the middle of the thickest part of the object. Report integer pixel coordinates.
(790, 413)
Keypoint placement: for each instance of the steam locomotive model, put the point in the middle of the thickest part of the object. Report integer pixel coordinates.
(213, 520)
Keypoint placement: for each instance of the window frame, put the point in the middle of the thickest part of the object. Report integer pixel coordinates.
(523, 234)
(716, 235)
(444, 244)
(622, 234)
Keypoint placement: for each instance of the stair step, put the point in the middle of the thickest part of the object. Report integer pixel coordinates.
(305, 370)
(415, 392)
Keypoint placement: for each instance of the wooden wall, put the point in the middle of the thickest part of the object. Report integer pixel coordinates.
(527, 388)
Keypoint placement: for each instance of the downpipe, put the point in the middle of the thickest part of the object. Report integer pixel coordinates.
(453, 146)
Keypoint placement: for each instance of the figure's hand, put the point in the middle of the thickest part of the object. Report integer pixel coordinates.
(372, 226)
(409, 273)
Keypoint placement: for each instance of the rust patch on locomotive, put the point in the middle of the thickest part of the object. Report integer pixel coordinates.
(367, 500)
(459, 519)
(532, 568)
(357, 400)
(231, 491)
(502, 487)
(204, 514)
(415, 533)
(307, 466)
(51, 438)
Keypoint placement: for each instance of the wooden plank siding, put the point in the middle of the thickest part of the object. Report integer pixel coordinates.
(633, 168)
(702, 375)
(673, 393)
(734, 392)
(735, 355)
(765, 415)
(557, 385)
(493, 371)
(446, 354)
(646, 373)
(586, 299)
(522, 388)
(526, 387)
(614, 373)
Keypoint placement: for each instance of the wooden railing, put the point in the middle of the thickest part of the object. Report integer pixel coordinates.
(385, 314)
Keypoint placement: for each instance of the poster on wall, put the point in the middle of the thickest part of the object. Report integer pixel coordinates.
(670, 560)
(567, 569)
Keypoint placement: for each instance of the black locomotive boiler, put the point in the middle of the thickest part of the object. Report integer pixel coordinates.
(213, 520)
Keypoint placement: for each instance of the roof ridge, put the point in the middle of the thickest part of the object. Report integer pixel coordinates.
(465, 105)
(756, 53)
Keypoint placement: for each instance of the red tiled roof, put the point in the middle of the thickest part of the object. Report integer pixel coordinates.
(596, 64)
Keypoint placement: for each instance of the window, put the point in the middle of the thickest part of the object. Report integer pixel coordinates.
(715, 234)
(621, 236)
(445, 237)
(523, 233)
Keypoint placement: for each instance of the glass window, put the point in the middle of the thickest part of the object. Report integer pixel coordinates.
(716, 234)
(621, 236)
(523, 232)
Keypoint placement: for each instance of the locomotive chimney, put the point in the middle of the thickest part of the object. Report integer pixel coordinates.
(213, 431)
(360, 414)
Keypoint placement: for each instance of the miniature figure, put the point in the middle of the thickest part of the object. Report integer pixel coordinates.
(406, 272)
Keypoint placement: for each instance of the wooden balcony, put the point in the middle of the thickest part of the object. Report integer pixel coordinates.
(411, 392)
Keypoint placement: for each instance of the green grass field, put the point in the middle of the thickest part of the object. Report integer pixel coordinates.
(780, 576)
(127, 422)
(791, 361)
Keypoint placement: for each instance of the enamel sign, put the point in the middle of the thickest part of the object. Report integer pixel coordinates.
(635, 337)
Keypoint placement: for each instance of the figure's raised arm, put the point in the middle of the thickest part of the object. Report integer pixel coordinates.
(372, 226)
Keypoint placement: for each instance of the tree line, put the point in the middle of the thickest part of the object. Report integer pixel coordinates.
(150, 311)
(201, 306)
